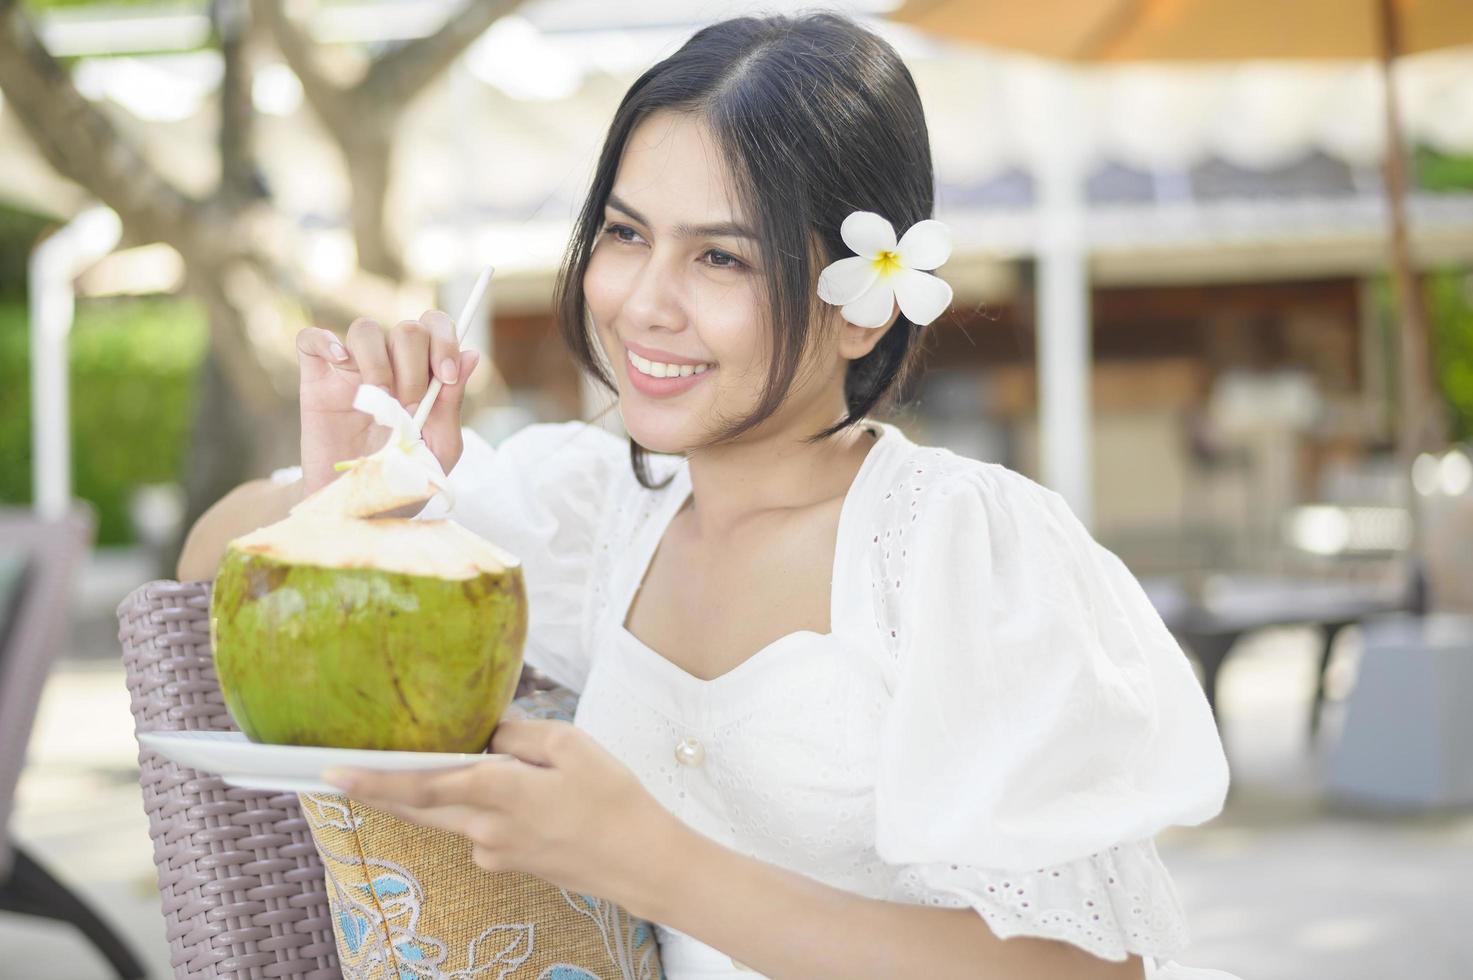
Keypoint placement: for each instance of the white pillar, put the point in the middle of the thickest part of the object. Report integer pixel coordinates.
(1062, 286)
(52, 267)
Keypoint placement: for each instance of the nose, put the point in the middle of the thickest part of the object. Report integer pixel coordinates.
(654, 298)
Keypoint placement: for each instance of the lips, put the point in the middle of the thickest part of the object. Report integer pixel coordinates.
(665, 369)
(662, 356)
(657, 387)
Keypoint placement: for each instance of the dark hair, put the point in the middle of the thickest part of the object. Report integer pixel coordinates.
(817, 117)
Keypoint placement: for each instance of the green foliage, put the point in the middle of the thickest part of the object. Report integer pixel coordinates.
(133, 368)
(1450, 308)
(1441, 171)
(1449, 301)
(19, 232)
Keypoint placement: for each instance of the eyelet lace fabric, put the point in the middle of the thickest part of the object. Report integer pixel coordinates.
(1113, 903)
(994, 720)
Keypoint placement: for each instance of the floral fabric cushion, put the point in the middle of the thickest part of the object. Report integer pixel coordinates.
(408, 903)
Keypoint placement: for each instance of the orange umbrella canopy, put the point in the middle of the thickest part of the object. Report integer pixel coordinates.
(1196, 30)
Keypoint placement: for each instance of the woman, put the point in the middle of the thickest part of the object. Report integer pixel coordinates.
(850, 706)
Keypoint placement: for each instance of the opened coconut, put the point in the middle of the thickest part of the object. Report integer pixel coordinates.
(336, 627)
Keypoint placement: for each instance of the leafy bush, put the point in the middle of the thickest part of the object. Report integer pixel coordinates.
(1450, 308)
(1448, 294)
(1442, 172)
(133, 368)
(19, 232)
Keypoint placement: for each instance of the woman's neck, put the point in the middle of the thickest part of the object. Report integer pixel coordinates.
(770, 471)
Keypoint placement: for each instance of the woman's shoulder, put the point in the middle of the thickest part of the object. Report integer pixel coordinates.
(917, 479)
(941, 524)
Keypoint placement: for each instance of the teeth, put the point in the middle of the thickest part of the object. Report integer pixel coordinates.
(656, 369)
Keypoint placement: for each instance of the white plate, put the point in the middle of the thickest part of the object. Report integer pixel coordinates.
(287, 768)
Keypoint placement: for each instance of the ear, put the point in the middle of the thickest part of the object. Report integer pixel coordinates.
(855, 342)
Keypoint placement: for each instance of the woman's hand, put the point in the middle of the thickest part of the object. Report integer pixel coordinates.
(562, 808)
(401, 361)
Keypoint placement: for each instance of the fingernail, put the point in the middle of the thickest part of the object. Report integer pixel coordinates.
(447, 371)
(338, 352)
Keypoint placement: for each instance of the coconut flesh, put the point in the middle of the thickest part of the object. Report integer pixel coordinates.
(336, 627)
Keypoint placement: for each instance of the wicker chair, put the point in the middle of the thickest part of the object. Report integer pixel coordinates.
(243, 891)
(47, 554)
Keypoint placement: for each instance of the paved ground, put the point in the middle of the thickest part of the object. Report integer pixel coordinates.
(1280, 886)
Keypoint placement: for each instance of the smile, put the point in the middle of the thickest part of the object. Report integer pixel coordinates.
(654, 379)
(656, 369)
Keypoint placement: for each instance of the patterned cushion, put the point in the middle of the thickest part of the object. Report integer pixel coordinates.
(407, 901)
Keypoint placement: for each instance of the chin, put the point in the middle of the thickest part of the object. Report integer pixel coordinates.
(659, 428)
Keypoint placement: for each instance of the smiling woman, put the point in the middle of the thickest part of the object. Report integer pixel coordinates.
(848, 706)
(726, 175)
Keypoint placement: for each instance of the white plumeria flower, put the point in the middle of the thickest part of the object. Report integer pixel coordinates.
(882, 272)
(408, 462)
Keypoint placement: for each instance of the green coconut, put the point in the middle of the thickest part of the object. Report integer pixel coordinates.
(338, 628)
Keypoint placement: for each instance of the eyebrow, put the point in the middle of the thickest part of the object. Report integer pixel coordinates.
(721, 229)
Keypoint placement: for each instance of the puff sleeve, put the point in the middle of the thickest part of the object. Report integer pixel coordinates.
(1044, 726)
(540, 494)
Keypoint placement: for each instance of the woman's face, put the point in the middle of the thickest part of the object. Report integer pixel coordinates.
(675, 278)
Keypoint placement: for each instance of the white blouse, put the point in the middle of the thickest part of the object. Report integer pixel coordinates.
(998, 718)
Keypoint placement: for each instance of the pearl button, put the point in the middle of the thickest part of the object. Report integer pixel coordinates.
(689, 752)
(741, 966)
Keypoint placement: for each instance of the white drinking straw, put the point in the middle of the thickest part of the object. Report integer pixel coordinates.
(462, 326)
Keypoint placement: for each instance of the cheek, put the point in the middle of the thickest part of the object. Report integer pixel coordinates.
(603, 286)
(733, 329)
(734, 343)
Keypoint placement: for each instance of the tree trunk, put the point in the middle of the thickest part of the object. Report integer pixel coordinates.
(227, 448)
(82, 143)
(368, 151)
(239, 182)
(235, 436)
(1423, 425)
(247, 418)
(219, 456)
(362, 118)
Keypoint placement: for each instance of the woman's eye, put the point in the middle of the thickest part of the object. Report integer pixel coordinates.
(713, 257)
(723, 260)
(617, 232)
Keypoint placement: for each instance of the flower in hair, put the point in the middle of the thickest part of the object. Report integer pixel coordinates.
(883, 272)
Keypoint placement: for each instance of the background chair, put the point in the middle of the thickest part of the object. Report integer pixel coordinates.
(42, 560)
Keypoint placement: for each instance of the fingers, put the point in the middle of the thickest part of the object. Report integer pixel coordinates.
(444, 347)
(316, 350)
(477, 785)
(414, 789)
(538, 741)
(409, 352)
(401, 360)
(369, 349)
(445, 413)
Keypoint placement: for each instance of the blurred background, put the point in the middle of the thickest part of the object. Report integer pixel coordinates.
(1214, 280)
